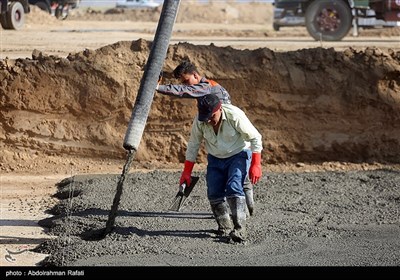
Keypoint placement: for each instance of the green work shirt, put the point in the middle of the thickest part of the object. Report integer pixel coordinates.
(235, 134)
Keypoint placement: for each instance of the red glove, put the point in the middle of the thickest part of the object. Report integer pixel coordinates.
(255, 168)
(186, 173)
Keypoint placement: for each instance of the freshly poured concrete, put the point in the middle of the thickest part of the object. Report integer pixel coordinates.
(302, 219)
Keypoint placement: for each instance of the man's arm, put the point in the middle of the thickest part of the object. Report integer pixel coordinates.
(250, 133)
(196, 137)
(185, 91)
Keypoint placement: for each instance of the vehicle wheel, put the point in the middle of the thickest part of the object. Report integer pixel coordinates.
(43, 6)
(328, 20)
(275, 26)
(15, 16)
(4, 22)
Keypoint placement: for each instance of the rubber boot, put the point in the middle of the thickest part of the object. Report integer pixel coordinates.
(248, 192)
(224, 221)
(238, 209)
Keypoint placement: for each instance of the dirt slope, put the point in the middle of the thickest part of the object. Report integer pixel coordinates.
(311, 105)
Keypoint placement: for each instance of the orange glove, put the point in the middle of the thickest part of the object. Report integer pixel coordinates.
(187, 173)
(255, 168)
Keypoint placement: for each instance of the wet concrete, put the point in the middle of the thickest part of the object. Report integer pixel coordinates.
(301, 219)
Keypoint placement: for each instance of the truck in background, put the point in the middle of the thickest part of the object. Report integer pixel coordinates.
(13, 12)
(331, 20)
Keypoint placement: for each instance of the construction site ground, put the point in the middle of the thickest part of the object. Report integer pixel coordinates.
(329, 113)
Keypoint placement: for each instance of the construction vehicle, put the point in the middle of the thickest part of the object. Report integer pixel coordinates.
(13, 12)
(331, 20)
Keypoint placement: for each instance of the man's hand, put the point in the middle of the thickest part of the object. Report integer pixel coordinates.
(255, 168)
(186, 173)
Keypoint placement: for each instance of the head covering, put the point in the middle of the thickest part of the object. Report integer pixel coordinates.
(207, 105)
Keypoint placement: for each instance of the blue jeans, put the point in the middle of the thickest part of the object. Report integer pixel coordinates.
(225, 176)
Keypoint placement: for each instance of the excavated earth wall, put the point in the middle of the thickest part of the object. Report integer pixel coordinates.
(310, 105)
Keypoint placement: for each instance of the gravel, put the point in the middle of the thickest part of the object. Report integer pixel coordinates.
(328, 218)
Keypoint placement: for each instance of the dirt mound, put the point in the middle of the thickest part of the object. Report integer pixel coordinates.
(38, 16)
(311, 105)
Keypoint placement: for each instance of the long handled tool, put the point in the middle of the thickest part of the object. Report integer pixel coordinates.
(183, 194)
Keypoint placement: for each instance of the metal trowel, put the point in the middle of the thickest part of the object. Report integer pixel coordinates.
(182, 194)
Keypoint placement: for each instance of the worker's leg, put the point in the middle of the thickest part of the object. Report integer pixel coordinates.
(248, 187)
(237, 170)
(249, 194)
(216, 182)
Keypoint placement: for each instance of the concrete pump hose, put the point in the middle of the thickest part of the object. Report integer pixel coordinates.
(151, 73)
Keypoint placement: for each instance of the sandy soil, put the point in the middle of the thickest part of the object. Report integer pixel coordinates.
(68, 87)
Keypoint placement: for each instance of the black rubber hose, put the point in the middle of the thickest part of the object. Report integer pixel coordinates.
(151, 73)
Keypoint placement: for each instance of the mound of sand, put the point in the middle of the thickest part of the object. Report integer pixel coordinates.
(311, 105)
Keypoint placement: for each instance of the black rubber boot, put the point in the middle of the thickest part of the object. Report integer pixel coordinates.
(248, 192)
(238, 209)
(224, 221)
(249, 201)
